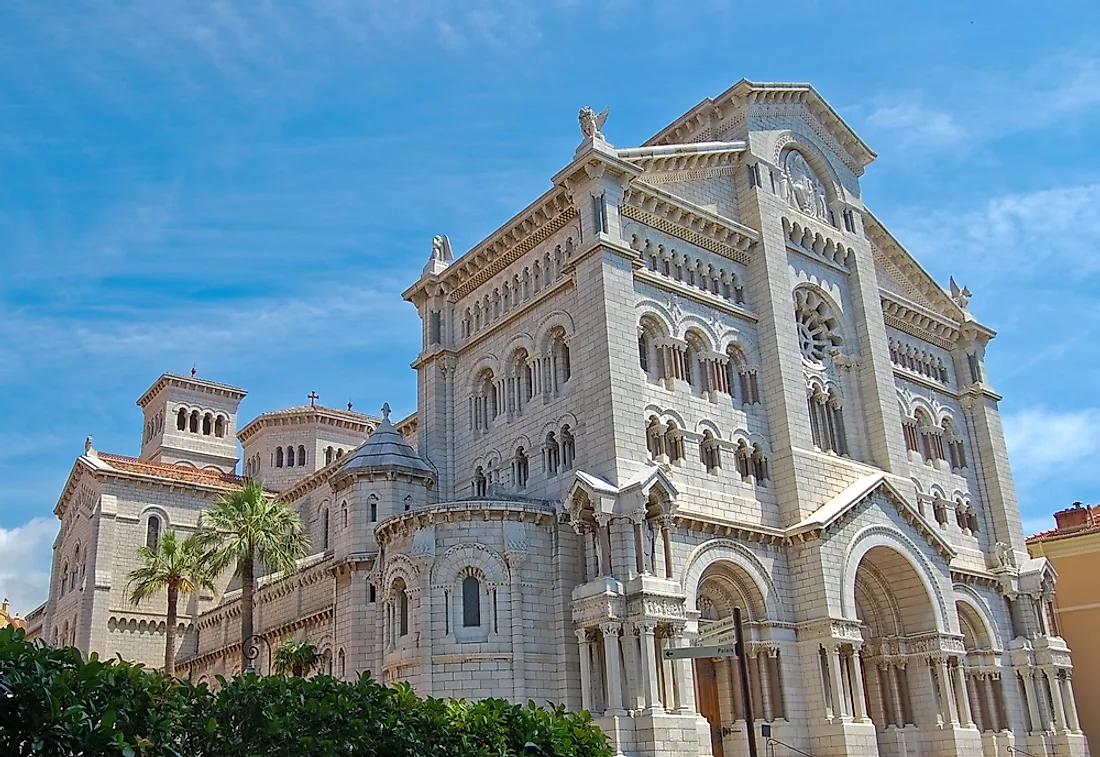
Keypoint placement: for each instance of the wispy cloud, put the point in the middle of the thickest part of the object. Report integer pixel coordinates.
(25, 567)
(917, 125)
(977, 111)
(1047, 444)
(1052, 230)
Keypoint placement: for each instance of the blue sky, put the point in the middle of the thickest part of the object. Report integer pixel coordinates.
(248, 187)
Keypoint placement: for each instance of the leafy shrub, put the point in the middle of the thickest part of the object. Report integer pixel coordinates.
(52, 702)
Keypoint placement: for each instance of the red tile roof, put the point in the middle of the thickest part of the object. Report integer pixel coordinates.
(169, 470)
(1091, 527)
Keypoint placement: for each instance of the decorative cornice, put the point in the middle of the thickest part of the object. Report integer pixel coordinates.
(675, 216)
(405, 523)
(816, 241)
(194, 384)
(531, 226)
(693, 157)
(916, 321)
(276, 632)
(355, 422)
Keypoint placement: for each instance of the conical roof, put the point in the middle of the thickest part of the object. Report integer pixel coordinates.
(384, 450)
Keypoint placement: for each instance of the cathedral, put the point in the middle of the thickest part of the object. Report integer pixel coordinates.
(692, 376)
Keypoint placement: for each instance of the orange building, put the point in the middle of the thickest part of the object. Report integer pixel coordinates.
(7, 619)
(1073, 547)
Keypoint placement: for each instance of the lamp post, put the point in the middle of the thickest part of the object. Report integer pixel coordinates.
(251, 651)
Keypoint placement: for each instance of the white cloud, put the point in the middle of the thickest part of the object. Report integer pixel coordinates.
(25, 568)
(917, 125)
(973, 111)
(1043, 442)
(1051, 229)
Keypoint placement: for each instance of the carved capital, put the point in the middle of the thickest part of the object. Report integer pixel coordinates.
(611, 629)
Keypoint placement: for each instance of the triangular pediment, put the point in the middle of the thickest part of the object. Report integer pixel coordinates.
(904, 276)
(719, 118)
(833, 512)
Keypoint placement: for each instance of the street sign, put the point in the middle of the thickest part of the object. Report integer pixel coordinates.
(681, 653)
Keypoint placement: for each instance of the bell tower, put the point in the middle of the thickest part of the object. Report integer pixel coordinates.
(191, 421)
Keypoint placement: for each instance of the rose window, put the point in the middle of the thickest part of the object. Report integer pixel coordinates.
(818, 328)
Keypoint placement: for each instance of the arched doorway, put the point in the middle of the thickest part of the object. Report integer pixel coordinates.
(723, 586)
(900, 684)
(983, 676)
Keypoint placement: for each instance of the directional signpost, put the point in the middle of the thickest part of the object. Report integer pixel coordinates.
(726, 650)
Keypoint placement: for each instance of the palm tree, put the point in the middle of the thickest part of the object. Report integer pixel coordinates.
(296, 658)
(248, 529)
(179, 567)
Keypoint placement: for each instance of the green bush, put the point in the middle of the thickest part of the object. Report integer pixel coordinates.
(53, 702)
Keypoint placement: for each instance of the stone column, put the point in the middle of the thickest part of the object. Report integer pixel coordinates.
(601, 551)
(896, 682)
(859, 703)
(611, 633)
(685, 685)
(840, 703)
(766, 709)
(1032, 700)
(966, 717)
(639, 548)
(1058, 714)
(647, 631)
(666, 540)
(947, 696)
(515, 594)
(1070, 704)
(991, 681)
(586, 668)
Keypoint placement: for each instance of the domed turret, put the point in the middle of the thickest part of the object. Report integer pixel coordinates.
(385, 450)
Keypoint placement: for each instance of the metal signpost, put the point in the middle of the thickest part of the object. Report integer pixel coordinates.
(724, 650)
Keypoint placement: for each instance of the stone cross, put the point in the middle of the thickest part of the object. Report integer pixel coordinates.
(313, 399)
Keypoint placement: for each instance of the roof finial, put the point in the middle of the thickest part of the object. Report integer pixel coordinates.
(194, 370)
(349, 406)
(313, 397)
(89, 450)
(385, 411)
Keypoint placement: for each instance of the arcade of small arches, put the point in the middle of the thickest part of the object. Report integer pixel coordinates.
(929, 440)
(495, 398)
(955, 511)
(826, 418)
(921, 362)
(695, 272)
(517, 289)
(665, 441)
(198, 422)
(153, 427)
(558, 455)
(692, 360)
(72, 571)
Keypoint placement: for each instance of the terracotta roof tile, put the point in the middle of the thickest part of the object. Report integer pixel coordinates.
(170, 470)
(1055, 533)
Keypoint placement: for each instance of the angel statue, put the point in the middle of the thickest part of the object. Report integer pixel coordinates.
(959, 296)
(592, 122)
(441, 249)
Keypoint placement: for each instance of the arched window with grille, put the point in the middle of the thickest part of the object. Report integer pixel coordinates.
(330, 454)
(194, 424)
(152, 532)
(471, 602)
(219, 426)
(568, 448)
(553, 454)
(207, 424)
(278, 457)
(520, 468)
(373, 507)
(402, 609)
(480, 483)
(181, 419)
(301, 455)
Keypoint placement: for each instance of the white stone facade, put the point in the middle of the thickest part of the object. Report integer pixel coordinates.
(694, 375)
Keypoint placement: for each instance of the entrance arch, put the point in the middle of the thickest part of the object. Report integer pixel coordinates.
(904, 686)
(724, 584)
